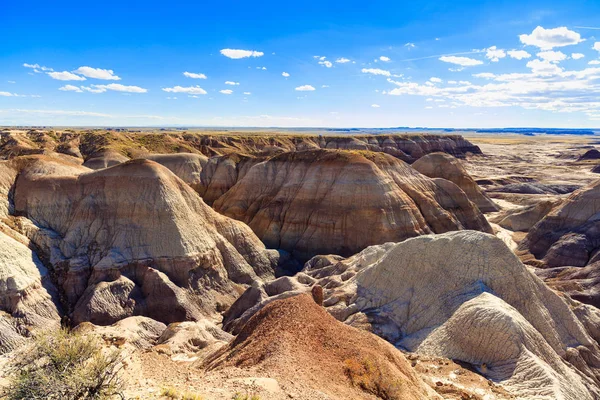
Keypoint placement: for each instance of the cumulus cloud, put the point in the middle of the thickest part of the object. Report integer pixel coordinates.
(232, 83)
(305, 88)
(494, 54)
(285, 74)
(462, 61)
(552, 56)
(577, 56)
(546, 87)
(543, 67)
(410, 45)
(594, 62)
(547, 39)
(326, 63)
(189, 90)
(97, 73)
(7, 94)
(384, 59)
(194, 75)
(237, 54)
(518, 54)
(376, 71)
(37, 67)
(65, 76)
(226, 91)
(435, 80)
(70, 88)
(375, 105)
(342, 60)
(596, 46)
(247, 93)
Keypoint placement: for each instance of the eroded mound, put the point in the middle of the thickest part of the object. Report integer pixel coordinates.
(134, 239)
(461, 295)
(442, 165)
(327, 355)
(327, 201)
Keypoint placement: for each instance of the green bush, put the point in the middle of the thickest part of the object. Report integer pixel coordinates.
(66, 366)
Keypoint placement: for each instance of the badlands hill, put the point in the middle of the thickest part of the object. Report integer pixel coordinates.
(488, 310)
(185, 249)
(329, 201)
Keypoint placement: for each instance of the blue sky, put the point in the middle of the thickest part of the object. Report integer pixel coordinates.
(368, 64)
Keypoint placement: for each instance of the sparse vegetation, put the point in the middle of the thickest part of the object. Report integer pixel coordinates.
(371, 378)
(172, 393)
(66, 366)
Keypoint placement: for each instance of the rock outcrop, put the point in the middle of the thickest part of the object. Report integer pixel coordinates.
(568, 235)
(28, 299)
(134, 239)
(327, 201)
(462, 295)
(443, 165)
(328, 356)
(524, 218)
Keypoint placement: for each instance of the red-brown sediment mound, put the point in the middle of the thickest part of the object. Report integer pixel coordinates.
(298, 340)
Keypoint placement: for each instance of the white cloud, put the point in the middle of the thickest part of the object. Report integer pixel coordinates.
(594, 62)
(543, 67)
(97, 73)
(188, 90)
(375, 105)
(324, 86)
(484, 75)
(376, 71)
(232, 83)
(117, 87)
(518, 54)
(263, 68)
(462, 61)
(342, 60)
(384, 59)
(247, 93)
(494, 54)
(194, 75)
(552, 56)
(11, 81)
(226, 91)
(37, 67)
(285, 74)
(547, 87)
(237, 54)
(70, 88)
(305, 88)
(435, 80)
(596, 46)
(577, 56)
(410, 45)
(7, 94)
(547, 39)
(326, 63)
(65, 76)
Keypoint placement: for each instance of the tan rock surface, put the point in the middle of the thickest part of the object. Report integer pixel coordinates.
(443, 165)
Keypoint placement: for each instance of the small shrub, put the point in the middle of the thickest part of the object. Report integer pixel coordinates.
(66, 366)
(369, 377)
(169, 392)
